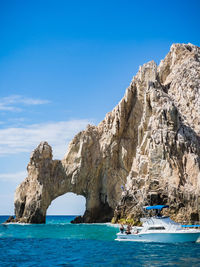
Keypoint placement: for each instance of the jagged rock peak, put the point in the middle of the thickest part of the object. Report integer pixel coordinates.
(149, 143)
(179, 73)
(43, 151)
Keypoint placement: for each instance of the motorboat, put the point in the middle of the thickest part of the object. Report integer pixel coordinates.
(160, 229)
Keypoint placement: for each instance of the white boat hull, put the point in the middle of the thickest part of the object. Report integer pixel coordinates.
(160, 237)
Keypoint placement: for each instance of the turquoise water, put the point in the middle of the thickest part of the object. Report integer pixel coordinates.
(59, 243)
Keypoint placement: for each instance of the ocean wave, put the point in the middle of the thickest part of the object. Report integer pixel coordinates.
(17, 223)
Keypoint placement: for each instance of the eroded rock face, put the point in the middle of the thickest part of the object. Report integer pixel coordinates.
(149, 143)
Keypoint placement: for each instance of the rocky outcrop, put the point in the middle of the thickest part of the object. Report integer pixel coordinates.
(149, 144)
(11, 219)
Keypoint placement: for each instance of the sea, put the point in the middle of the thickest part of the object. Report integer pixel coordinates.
(60, 243)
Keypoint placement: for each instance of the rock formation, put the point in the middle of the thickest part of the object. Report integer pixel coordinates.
(149, 143)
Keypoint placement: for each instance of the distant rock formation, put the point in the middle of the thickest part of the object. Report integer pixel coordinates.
(149, 143)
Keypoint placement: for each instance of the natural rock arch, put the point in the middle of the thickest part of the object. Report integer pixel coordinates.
(149, 142)
(48, 179)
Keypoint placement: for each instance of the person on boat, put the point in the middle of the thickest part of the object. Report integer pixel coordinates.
(128, 229)
(122, 228)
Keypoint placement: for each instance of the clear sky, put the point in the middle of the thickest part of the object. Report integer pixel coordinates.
(64, 64)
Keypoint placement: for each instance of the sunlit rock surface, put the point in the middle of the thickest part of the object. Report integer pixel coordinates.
(149, 144)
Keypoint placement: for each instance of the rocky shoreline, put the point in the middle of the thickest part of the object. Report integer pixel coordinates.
(149, 144)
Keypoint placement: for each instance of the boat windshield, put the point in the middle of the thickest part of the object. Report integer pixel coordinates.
(156, 228)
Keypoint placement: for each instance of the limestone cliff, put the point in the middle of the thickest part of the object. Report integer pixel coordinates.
(149, 143)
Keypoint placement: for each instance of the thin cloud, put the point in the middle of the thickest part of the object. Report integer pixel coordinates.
(4, 107)
(25, 139)
(12, 103)
(16, 177)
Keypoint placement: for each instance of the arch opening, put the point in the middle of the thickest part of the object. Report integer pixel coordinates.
(67, 204)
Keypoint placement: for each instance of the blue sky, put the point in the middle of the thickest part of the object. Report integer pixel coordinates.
(64, 64)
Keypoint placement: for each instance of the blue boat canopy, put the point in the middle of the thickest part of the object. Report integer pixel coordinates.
(194, 225)
(157, 207)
